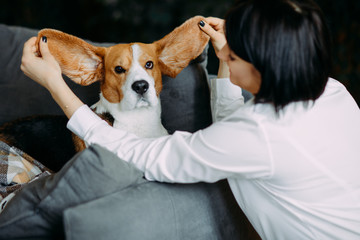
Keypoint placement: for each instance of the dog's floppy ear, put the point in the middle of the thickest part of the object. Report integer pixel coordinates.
(80, 61)
(182, 45)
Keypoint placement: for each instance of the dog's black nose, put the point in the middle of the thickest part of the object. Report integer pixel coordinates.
(140, 87)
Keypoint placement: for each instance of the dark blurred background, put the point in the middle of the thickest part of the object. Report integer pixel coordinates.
(122, 21)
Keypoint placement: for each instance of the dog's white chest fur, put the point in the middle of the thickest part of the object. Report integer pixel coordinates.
(143, 121)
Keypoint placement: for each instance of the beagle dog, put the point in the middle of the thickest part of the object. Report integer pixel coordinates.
(130, 75)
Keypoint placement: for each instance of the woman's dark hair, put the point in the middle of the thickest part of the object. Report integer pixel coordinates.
(288, 42)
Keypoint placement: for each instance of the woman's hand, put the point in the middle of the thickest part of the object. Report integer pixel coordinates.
(214, 27)
(43, 69)
(46, 71)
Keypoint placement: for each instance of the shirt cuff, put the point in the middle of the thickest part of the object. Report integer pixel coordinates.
(82, 120)
(224, 88)
(225, 98)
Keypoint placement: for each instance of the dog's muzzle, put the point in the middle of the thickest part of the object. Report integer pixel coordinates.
(140, 87)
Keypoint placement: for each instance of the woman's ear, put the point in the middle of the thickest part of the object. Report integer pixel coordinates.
(82, 62)
(182, 45)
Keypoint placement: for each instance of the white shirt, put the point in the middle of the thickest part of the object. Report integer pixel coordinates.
(296, 175)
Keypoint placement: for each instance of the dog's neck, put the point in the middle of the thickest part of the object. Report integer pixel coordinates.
(142, 121)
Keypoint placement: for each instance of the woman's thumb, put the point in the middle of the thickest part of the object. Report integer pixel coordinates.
(44, 48)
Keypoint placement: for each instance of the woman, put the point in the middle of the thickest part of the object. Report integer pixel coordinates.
(290, 155)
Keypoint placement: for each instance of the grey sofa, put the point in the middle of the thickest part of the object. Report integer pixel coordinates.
(126, 206)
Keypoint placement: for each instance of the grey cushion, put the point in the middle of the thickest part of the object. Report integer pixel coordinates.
(101, 197)
(185, 100)
(155, 211)
(36, 211)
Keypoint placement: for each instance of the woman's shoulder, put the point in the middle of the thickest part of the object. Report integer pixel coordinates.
(336, 93)
(334, 84)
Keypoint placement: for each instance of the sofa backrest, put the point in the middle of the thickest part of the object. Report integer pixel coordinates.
(185, 99)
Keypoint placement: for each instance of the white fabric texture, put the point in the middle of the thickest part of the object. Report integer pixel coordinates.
(295, 175)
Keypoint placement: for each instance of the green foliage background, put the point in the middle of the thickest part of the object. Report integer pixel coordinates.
(146, 21)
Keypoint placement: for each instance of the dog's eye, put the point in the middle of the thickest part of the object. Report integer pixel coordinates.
(149, 65)
(119, 69)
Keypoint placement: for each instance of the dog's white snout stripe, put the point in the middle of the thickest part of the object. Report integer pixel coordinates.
(138, 71)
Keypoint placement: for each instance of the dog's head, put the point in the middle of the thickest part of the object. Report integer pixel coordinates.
(130, 74)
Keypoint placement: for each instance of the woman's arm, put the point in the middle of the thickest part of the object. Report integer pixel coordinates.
(46, 71)
(225, 96)
(223, 150)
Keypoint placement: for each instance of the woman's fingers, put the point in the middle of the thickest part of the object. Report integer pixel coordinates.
(216, 23)
(28, 53)
(29, 47)
(213, 34)
(30, 42)
(38, 63)
(214, 27)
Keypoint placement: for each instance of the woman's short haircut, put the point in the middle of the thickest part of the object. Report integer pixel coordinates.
(288, 42)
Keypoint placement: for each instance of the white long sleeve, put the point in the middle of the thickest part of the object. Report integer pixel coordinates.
(225, 98)
(207, 155)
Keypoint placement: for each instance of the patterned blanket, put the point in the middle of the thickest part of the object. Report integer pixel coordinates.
(16, 170)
